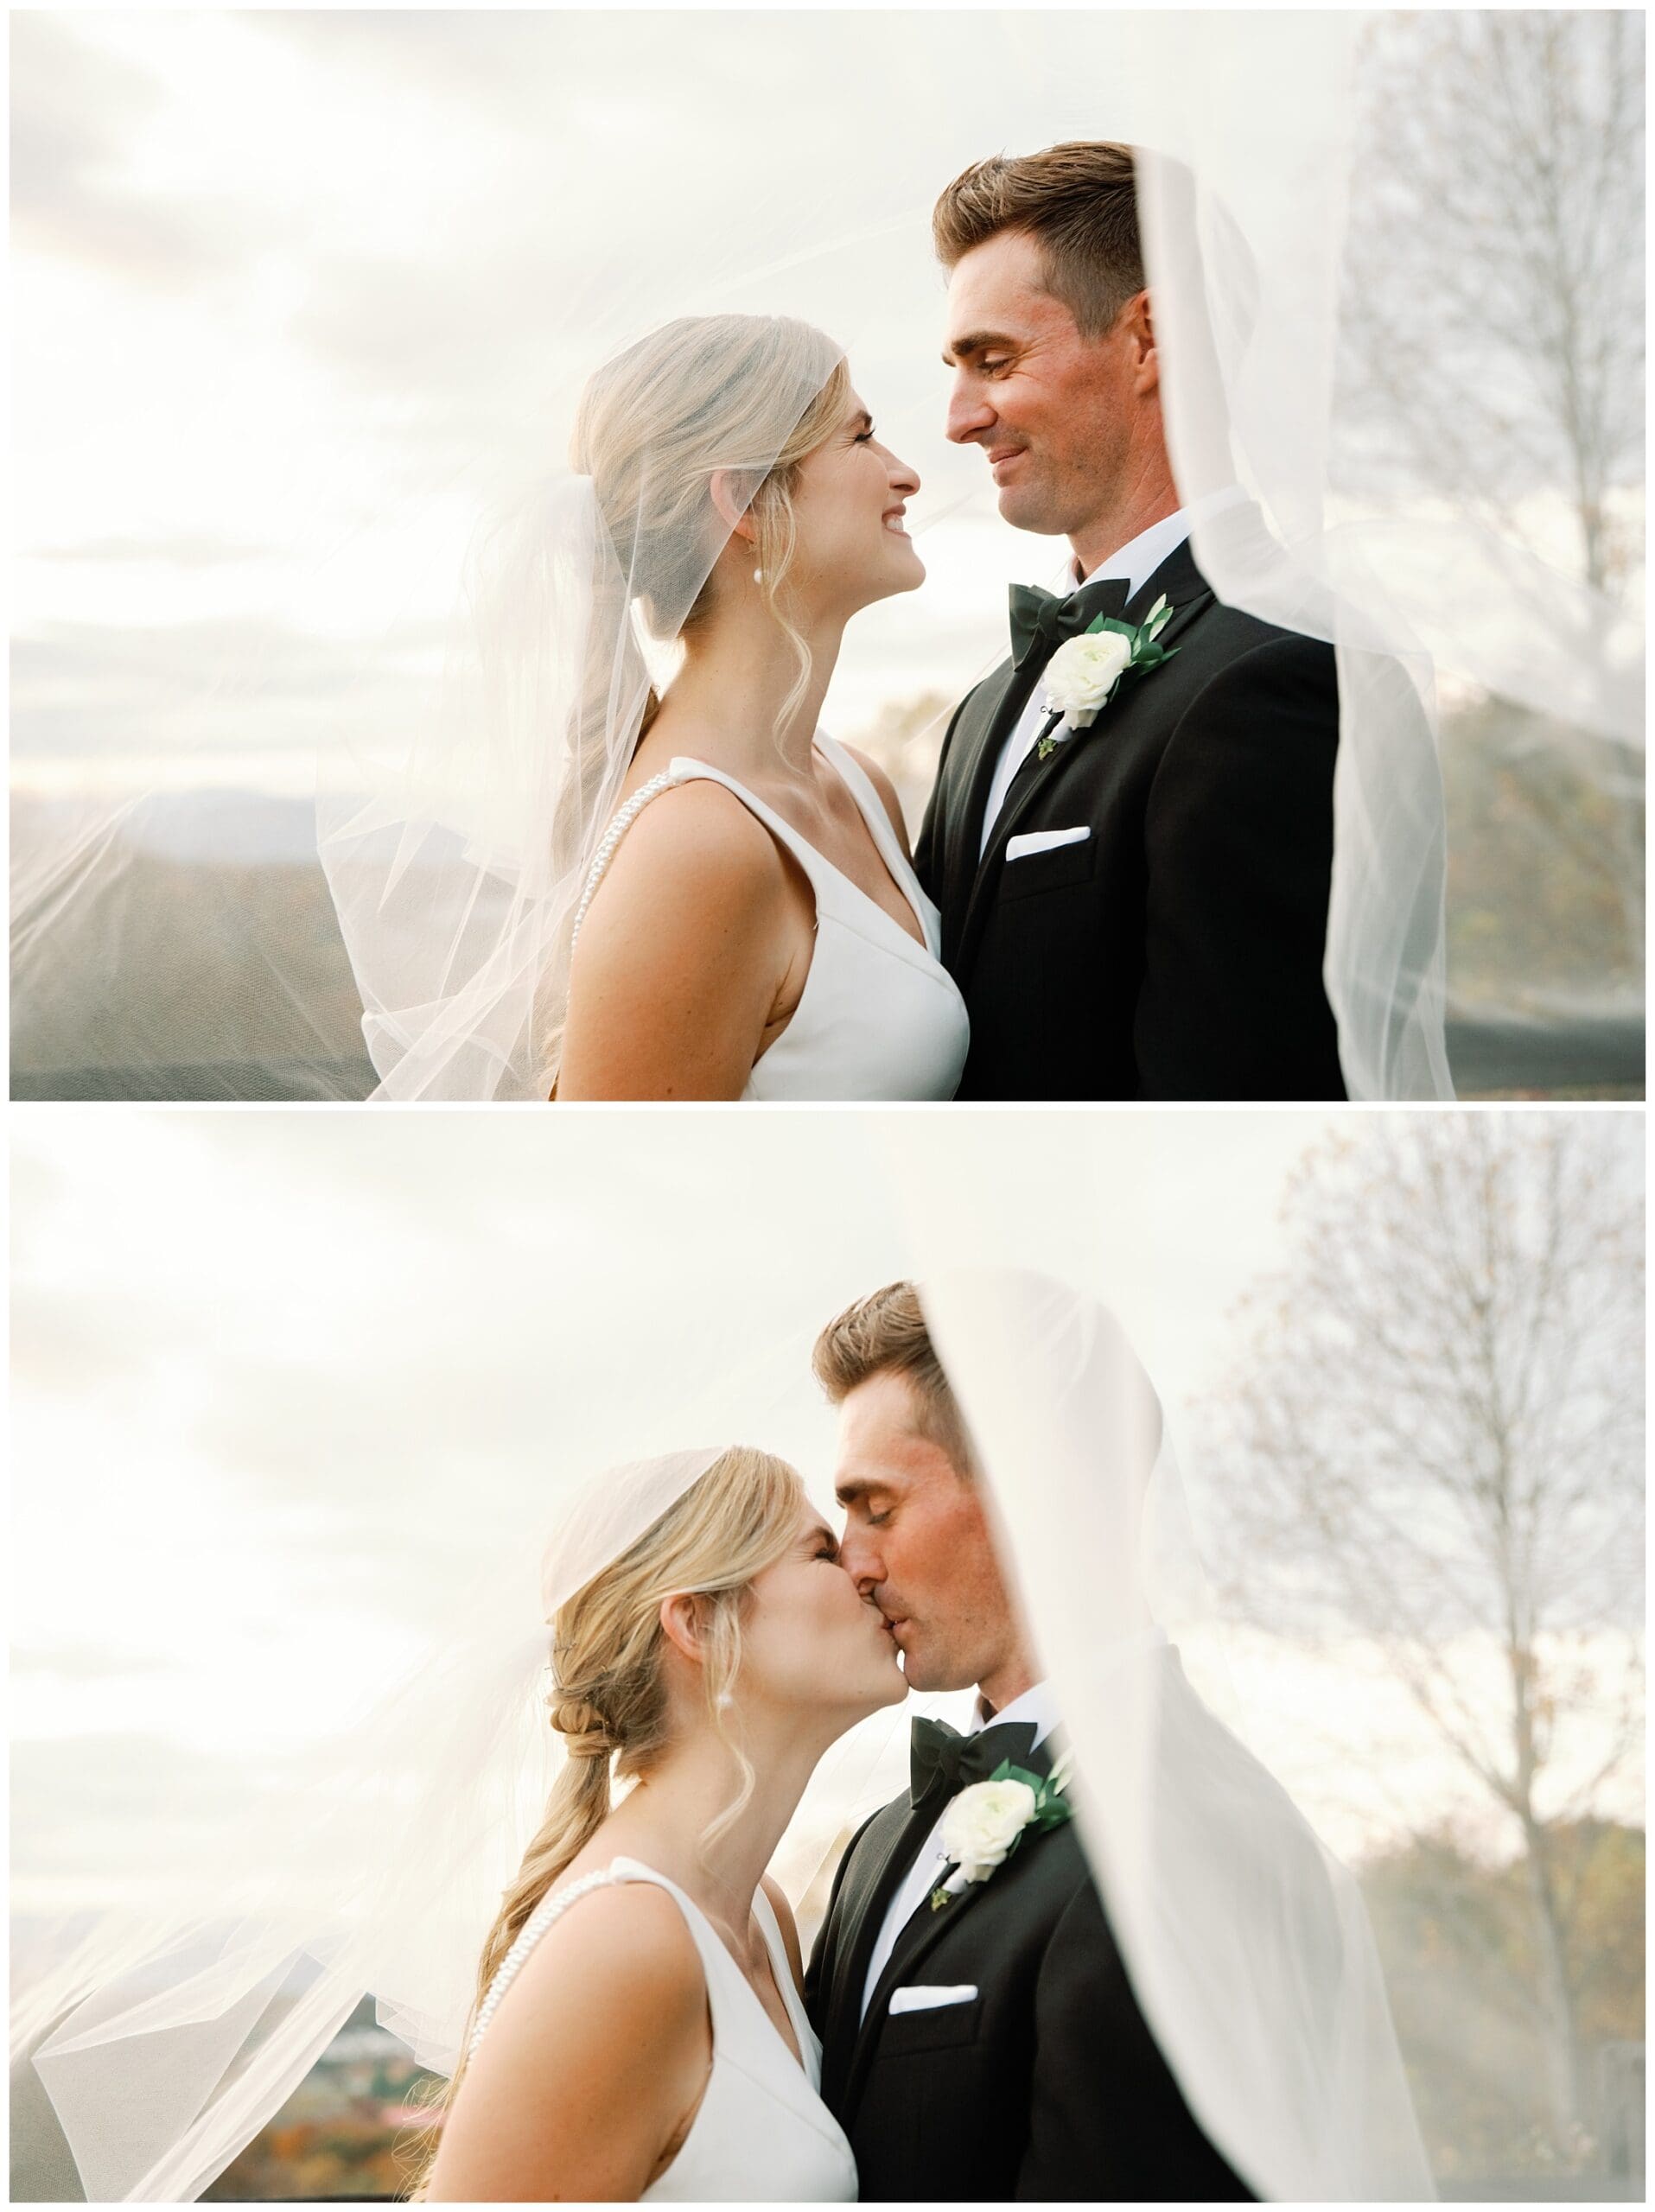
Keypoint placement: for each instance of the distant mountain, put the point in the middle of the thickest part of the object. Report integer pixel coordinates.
(208, 962)
(243, 828)
(201, 958)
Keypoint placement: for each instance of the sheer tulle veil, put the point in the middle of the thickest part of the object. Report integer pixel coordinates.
(458, 863)
(165, 2048)
(454, 849)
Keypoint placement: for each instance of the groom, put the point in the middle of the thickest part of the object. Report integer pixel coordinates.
(994, 2050)
(1137, 910)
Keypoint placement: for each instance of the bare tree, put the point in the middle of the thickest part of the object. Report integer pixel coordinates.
(1492, 345)
(1494, 319)
(1435, 1432)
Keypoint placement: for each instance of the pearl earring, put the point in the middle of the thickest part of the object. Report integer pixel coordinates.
(758, 576)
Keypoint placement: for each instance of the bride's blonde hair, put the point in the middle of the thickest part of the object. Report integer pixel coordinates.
(702, 394)
(608, 1697)
(751, 395)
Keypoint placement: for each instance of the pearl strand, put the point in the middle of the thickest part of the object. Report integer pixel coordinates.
(533, 1929)
(612, 836)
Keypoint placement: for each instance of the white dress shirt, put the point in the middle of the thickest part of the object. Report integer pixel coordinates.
(1137, 562)
(1035, 1704)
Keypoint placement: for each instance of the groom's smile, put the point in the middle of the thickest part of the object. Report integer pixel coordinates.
(1055, 410)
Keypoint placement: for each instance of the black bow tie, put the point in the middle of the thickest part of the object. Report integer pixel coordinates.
(942, 1762)
(1041, 622)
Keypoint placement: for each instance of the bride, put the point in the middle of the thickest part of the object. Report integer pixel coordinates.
(638, 2031)
(689, 893)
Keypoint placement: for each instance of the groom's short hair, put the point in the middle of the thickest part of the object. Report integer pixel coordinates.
(1078, 200)
(885, 1333)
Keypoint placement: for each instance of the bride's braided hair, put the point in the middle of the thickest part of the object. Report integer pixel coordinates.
(607, 1699)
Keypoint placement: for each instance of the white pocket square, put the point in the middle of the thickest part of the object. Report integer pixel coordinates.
(918, 1998)
(1044, 841)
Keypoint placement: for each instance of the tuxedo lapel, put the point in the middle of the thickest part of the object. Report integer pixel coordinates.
(885, 1855)
(1183, 584)
(1000, 700)
(1178, 577)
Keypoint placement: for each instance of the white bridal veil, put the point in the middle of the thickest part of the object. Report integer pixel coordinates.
(1247, 1942)
(171, 2043)
(458, 871)
(163, 2048)
(172, 941)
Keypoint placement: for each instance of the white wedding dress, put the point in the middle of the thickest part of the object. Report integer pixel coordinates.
(761, 2133)
(879, 1016)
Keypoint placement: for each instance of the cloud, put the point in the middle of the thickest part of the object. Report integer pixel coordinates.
(72, 1797)
(91, 1343)
(398, 278)
(78, 113)
(218, 685)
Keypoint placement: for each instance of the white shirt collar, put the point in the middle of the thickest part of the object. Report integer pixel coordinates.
(1037, 1705)
(1138, 560)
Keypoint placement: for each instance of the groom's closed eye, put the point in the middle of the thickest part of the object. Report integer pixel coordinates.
(857, 1500)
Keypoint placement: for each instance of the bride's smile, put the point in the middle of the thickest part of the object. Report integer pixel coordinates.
(769, 938)
(850, 484)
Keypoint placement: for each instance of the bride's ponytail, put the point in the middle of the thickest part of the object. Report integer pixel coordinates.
(576, 1811)
(609, 1700)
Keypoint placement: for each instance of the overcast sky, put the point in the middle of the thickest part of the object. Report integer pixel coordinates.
(299, 292)
(282, 1379)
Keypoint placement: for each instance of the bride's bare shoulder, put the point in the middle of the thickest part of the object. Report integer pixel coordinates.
(597, 2053)
(694, 853)
(632, 1931)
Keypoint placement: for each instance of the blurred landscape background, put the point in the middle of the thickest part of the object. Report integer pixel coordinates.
(223, 922)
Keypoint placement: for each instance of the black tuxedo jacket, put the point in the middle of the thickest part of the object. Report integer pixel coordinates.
(1047, 2087)
(1176, 952)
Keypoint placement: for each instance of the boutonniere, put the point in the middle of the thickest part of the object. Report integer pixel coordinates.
(1085, 673)
(987, 1821)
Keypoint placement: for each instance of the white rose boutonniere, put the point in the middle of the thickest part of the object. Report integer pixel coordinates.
(987, 1821)
(1084, 673)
